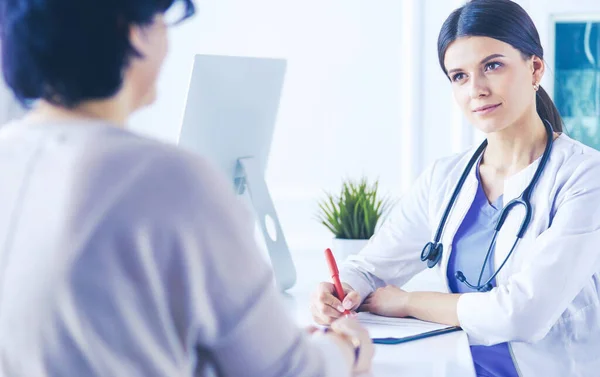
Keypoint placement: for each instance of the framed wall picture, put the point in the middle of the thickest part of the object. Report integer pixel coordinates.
(576, 46)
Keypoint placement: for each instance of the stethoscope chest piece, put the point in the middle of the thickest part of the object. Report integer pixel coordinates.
(432, 253)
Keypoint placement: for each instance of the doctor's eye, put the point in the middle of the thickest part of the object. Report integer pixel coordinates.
(491, 66)
(458, 77)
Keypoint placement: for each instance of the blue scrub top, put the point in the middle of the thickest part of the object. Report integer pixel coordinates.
(470, 246)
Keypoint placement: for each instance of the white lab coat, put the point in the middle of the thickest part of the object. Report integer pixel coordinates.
(546, 303)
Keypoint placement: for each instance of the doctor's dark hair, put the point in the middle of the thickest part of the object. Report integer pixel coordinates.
(70, 51)
(505, 21)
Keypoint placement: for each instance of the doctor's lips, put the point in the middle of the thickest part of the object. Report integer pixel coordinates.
(486, 109)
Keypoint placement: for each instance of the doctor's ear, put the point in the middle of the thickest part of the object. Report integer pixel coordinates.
(537, 67)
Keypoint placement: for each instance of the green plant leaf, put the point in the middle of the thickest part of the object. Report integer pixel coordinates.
(367, 229)
(356, 212)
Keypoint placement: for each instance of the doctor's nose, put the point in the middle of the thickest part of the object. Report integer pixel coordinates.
(478, 88)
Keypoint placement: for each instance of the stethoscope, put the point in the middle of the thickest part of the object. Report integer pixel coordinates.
(432, 252)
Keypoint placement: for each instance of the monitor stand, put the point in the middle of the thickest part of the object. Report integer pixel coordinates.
(248, 174)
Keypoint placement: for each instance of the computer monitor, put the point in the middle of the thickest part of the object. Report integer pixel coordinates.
(229, 118)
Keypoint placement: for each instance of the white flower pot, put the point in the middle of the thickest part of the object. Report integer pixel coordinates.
(342, 248)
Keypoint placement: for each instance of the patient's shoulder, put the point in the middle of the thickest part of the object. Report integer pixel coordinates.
(138, 177)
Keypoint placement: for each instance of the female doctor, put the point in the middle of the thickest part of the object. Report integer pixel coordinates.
(513, 226)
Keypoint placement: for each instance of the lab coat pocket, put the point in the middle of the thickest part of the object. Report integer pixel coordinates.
(580, 320)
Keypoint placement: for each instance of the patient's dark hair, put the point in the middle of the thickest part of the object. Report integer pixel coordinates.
(505, 21)
(70, 51)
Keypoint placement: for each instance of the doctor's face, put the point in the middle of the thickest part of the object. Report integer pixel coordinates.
(492, 81)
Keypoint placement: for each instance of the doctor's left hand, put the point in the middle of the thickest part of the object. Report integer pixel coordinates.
(389, 301)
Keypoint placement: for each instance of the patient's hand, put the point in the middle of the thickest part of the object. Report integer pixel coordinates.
(389, 301)
(311, 329)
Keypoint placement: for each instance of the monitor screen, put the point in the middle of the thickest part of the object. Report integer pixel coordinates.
(229, 119)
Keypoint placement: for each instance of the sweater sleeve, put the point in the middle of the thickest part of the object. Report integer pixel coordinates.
(240, 316)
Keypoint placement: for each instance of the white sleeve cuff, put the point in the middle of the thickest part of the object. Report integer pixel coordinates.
(357, 281)
(467, 312)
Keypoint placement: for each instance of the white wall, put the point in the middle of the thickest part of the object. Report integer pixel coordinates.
(10, 109)
(340, 109)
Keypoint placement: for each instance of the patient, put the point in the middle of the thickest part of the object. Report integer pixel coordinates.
(116, 251)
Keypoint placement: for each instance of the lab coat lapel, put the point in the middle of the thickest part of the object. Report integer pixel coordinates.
(513, 188)
(457, 215)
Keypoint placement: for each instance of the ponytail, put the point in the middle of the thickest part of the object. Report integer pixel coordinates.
(547, 110)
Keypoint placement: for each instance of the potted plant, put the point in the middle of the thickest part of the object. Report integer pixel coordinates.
(353, 216)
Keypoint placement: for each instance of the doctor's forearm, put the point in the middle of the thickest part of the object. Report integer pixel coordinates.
(433, 307)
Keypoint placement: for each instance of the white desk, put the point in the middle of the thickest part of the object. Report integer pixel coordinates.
(445, 355)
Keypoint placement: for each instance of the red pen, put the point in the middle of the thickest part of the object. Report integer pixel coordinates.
(335, 276)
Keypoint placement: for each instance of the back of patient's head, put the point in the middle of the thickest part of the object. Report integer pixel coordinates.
(71, 51)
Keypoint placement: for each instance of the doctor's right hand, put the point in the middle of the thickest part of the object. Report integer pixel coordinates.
(326, 307)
